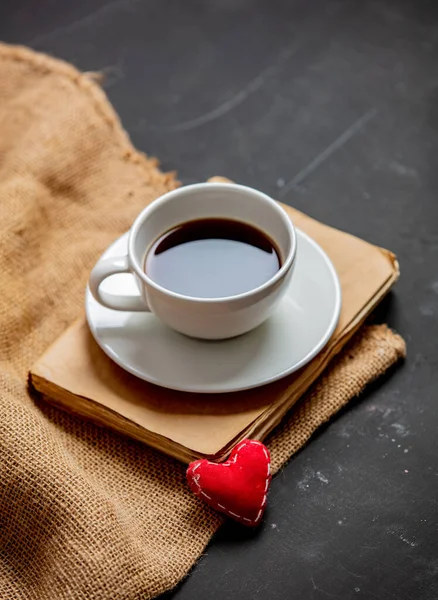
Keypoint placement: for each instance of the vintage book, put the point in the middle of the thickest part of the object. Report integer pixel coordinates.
(77, 376)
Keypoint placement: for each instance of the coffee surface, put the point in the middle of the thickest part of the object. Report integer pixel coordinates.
(212, 258)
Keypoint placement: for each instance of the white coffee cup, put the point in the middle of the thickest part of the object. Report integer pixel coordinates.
(207, 318)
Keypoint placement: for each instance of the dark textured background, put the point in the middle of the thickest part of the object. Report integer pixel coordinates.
(331, 106)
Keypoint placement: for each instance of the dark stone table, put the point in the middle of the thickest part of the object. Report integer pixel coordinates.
(331, 106)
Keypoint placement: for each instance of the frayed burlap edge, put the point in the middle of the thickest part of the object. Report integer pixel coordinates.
(87, 83)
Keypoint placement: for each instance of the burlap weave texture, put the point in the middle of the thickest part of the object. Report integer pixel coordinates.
(86, 514)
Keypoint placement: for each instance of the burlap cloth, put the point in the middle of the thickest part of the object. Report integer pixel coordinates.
(86, 514)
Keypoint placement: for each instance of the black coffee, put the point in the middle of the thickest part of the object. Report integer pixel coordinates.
(212, 258)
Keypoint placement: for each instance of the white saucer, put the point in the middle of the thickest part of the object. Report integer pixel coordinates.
(294, 334)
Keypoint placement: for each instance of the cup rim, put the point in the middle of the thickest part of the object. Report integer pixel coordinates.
(198, 187)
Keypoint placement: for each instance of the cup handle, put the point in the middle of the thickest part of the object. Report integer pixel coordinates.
(111, 266)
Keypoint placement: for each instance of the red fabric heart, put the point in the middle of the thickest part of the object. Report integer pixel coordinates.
(237, 487)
